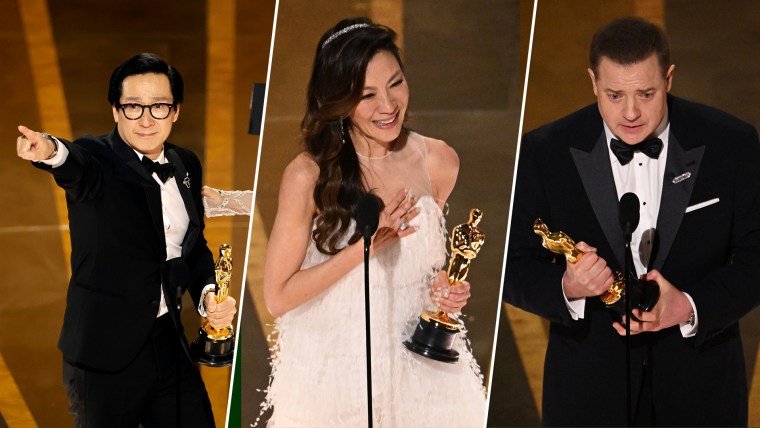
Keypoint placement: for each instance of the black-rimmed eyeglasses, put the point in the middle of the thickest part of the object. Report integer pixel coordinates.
(134, 111)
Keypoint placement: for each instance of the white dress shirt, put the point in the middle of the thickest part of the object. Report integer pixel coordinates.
(175, 219)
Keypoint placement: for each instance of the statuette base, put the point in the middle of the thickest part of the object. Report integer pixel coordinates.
(210, 350)
(434, 339)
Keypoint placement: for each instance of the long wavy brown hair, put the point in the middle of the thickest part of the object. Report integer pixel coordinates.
(335, 89)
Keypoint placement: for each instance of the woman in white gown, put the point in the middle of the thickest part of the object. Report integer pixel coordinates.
(355, 143)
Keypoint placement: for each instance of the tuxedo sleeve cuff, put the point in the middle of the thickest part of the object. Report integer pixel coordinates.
(577, 307)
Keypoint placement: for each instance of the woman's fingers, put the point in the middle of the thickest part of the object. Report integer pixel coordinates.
(409, 215)
(398, 212)
(397, 200)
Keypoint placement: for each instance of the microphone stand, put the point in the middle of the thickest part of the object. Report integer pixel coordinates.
(627, 274)
(367, 241)
(179, 359)
(368, 213)
(628, 208)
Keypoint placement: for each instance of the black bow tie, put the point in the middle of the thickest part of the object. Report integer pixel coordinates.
(624, 152)
(163, 170)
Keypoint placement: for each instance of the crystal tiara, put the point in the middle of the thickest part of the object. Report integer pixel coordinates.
(337, 34)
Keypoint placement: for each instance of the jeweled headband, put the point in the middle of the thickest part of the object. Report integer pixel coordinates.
(337, 34)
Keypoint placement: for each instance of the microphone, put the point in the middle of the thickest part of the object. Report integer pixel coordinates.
(629, 214)
(367, 215)
(175, 275)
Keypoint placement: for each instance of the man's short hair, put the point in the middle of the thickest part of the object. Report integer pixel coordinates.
(627, 41)
(145, 63)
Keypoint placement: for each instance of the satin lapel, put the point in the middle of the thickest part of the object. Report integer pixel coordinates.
(183, 178)
(150, 187)
(676, 193)
(596, 174)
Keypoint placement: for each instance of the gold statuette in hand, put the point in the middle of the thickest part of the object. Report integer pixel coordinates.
(560, 243)
(466, 241)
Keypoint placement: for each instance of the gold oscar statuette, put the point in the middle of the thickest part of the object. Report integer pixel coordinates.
(435, 333)
(215, 346)
(643, 295)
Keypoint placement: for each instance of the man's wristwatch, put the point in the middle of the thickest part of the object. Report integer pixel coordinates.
(690, 321)
(55, 145)
(203, 296)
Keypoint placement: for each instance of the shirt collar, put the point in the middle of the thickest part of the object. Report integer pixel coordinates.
(161, 157)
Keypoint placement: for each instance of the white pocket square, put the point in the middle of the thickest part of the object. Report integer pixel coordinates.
(702, 205)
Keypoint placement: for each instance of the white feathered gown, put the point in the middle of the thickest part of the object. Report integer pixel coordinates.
(318, 366)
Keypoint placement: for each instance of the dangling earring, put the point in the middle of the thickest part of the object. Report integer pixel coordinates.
(343, 130)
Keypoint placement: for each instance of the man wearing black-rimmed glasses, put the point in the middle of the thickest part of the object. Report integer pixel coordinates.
(136, 222)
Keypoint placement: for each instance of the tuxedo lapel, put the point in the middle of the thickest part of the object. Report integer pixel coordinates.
(599, 184)
(182, 176)
(596, 174)
(150, 187)
(680, 175)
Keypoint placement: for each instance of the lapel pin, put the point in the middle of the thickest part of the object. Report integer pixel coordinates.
(682, 177)
(186, 181)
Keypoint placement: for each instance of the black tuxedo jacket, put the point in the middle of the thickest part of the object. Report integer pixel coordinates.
(119, 251)
(565, 177)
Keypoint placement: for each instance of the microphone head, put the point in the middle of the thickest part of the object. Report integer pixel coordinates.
(629, 212)
(367, 214)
